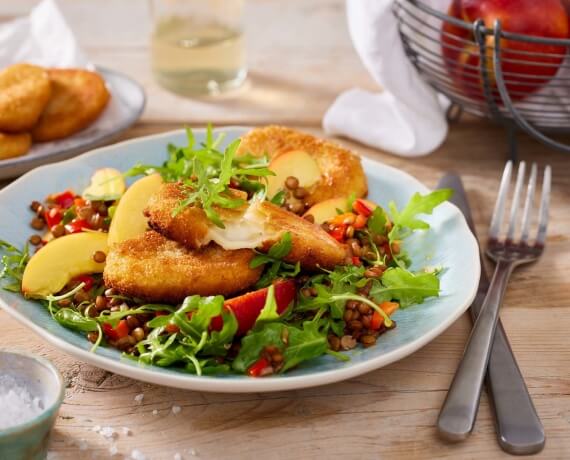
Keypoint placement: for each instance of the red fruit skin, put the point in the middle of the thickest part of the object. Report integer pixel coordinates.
(544, 18)
(247, 307)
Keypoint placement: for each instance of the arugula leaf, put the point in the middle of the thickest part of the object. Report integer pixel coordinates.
(405, 221)
(269, 310)
(276, 268)
(405, 287)
(203, 308)
(12, 266)
(74, 320)
(206, 173)
(377, 221)
(302, 344)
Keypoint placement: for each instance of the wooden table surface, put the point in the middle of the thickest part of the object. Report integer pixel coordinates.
(390, 413)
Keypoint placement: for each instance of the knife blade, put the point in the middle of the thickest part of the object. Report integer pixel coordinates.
(519, 429)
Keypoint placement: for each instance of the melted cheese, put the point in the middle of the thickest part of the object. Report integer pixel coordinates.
(247, 230)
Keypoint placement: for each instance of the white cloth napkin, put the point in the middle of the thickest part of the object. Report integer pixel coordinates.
(44, 38)
(406, 117)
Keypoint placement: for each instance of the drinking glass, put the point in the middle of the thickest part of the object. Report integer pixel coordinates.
(197, 46)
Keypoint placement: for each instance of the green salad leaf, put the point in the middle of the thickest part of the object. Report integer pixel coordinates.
(12, 265)
(405, 287)
(276, 267)
(206, 173)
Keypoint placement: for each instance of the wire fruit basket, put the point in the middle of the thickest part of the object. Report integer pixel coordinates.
(496, 86)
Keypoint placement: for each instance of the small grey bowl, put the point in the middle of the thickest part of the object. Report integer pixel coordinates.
(30, 440)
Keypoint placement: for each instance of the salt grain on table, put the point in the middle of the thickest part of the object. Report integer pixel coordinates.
(176, 409)
(137, 455)
(17, 404)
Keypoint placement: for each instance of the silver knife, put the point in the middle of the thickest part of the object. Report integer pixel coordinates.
(519, 428)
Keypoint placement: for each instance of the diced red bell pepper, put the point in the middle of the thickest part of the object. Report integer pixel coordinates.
(356, 261)
(360, 207)
(247, 307)
(257, 367)
(338, 233)
(53, 216)
(65, 199)
(77, 226)
(118, 332)
(88, 280)
(79, 202)
(377, 319)
(170, 328)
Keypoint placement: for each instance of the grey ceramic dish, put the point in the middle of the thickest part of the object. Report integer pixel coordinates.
(30, 440)
(124, 109)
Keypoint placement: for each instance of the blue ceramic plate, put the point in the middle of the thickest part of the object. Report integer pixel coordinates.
(125, 107)
(448, 243)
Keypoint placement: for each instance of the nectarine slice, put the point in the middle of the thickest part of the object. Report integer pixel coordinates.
(106, 184)
(296, 163)
(65, 258)
(326, 210)
(129, 221)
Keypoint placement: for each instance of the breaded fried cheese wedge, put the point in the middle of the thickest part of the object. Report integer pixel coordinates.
(155, 269)
(258, 225)
(323, 168)
(24, 92)
(78, 98)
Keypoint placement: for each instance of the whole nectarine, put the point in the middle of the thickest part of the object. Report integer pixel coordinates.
(526, 66)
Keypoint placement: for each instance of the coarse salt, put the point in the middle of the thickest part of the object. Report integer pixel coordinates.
(113, 450)
(176, 409)
(108, 432)
(177, 456)
(137, 455)
(17, 404)
(127, 431)
(139, 398)
(154, 412)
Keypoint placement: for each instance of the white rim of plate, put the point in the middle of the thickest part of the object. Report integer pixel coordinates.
(247, 384)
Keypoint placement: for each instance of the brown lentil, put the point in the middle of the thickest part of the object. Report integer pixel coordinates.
(347, 342)
(34, 205)
(37, 223)
(115, 302)
(133, 322)
(85, 212)
(334, 342)
(35, 240)
(277, 358)
(81, 296)
(93, 336)
(395, 247)
(300, 193)
(355, 247)
(99, 257)
(91, 311)
(64, 303)
(138, 334)
(291, 183)
(347, 315)
(58, 231)
(40, 212)
(310, 218)
(355, 325)
(96, 222)
(363, 308)
(296, 207)
(366, 320)
(355, 315)
(349, 232)
(352, 304)
(379, 240)
(110, 292)
(367, 340)
(100, 303)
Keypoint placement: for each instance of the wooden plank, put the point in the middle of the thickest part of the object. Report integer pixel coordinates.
(389, 413)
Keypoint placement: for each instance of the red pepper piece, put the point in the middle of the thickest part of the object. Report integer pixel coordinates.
(77, 225)
(257, 367)
(171, 328)
(118, 332)
(88, 280)
(356, 261)
(247, 307)
(53, 216)
(65, 199)
(338, 233)
(360, 207)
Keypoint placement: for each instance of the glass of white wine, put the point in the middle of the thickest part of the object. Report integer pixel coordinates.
(197, 46)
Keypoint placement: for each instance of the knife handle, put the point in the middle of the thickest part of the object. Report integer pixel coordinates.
(519, 428)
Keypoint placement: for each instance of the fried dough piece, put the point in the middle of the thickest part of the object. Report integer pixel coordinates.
(245, 228)
(78, 98)
(155, 269)
(24, 92)
(342, 173)
(14, 145)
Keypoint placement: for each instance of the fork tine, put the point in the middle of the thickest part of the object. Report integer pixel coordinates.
(500, 203)
(544, 205)
(528, 204)
(516, 200)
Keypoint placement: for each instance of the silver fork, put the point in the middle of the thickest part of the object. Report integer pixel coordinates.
(457, 416)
